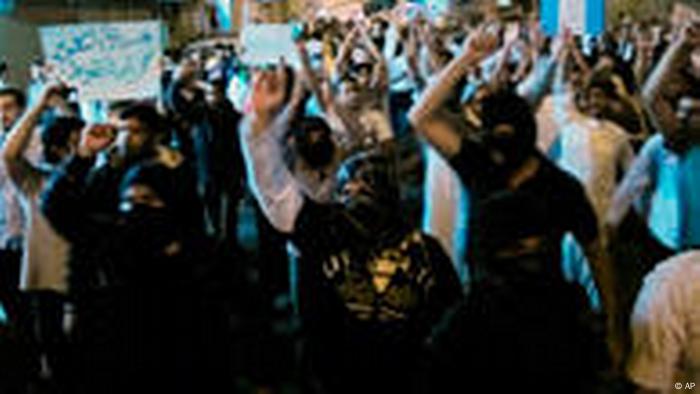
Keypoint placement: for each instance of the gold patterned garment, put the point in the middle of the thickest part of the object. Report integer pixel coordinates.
(390, 285)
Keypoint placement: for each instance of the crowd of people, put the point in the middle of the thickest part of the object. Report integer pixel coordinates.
(436, 203)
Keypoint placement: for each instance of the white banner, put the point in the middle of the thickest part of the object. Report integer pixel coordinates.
(265, 44)
(107, 61)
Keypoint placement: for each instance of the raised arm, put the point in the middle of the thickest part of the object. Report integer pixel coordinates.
(580, 61)
(413, 57)
(644, 47)
(310, 76)
(64, 198)
(666, 83)
(22, 173)
(539, 82)
(272, 184)
(427, 38)
(564, 108)
(380, 73)
(423, 115)
(501, 75)
(341, 62)
(636, 183)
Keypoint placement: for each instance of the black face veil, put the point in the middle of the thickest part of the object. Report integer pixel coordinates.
(507, 108)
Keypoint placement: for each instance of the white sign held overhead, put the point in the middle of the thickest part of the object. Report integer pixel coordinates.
(265, 44)
(107, 61)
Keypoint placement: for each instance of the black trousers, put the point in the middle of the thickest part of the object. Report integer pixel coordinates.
(9, 281)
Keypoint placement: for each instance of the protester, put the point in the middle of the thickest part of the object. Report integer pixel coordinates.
(514, 147)
(12, 105)
(131, 288)
(592, 148)
(210, 123)
(664, 328)
(371, 288)
(522, 205)
(45, 258)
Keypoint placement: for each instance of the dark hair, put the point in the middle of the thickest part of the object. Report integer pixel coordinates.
(306, 124)
(176, 187)
(58, 131)
(119, 106)
(377, 169)
(602, 81)
(148, 116)
(16, 93)
(509, 108)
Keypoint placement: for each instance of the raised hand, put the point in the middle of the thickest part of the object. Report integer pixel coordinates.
(52, 94)
(96, 138)
(186, 70)
(563, 45)
(481, 42)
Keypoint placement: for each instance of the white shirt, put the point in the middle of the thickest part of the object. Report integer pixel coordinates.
(445, 209)
(10, 213)
(547, 126)
(666, 326)
(597, 153)
(11, 219)
(45, 258)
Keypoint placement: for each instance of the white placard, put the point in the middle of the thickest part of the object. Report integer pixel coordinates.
(265, 44)
(107, 61)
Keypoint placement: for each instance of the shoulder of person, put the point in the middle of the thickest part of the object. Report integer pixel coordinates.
(653, 146)
(561, 180)
(679, 269)
(616, 131)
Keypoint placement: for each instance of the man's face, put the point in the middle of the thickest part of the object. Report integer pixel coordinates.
(9, 111)
(474, 105)
(597, 102)
(688, 115)
(508, 148)
(350, 90)
(576, 80)
(215, 95)
(56, 154)
(364, 198)
(139, 195)
(133, 137)
(355, 190)
(354, 84)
